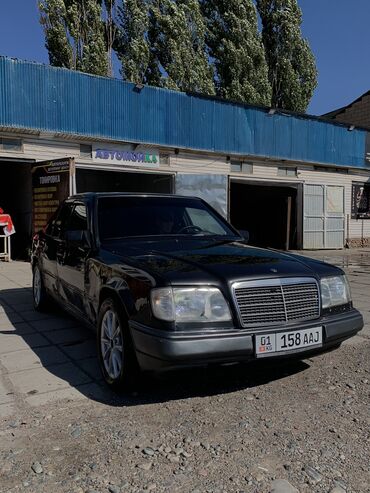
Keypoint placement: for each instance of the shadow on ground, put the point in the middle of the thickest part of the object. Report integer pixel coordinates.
(53, 353)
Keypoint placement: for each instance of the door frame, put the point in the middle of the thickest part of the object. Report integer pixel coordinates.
(299, 186)
(94, 167)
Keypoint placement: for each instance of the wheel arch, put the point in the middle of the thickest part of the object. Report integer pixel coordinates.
(109, 292)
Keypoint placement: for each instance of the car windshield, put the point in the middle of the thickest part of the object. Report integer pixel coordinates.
(121, 217)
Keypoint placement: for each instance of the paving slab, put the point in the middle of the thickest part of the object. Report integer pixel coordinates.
(81, 350)
(15, 301)
(29, 359)
(20, 329)
(5, 395)
(69, 337)
(91, 367)
(12, 318)
(22, 307)
(8, 409)
(31, 315)
(53, 323)
(5, 308)
(12, 343)
(41, 380)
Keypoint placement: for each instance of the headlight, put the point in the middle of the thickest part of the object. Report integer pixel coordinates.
(190, 305)
(334, 291)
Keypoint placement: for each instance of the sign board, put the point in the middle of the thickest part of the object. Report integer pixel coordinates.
(124, 155)
(50, 186)
(360, 201)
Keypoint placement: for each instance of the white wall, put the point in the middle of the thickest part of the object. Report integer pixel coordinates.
(48, 147)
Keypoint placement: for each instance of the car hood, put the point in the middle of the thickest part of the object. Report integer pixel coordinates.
(202, 260)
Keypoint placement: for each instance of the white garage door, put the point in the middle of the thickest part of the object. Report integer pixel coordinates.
(323, 217)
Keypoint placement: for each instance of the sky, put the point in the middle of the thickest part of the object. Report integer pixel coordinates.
(337, 31)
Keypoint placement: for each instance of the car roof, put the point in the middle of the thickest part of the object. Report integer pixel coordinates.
(90, 195)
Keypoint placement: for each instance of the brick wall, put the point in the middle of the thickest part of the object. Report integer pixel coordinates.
(358, 113)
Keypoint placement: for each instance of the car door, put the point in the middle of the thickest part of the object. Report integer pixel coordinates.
(49, 241)
(72, 252)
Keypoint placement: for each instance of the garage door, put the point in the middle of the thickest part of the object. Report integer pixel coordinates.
(323, 217)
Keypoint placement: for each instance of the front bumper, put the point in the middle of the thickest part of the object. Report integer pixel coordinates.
(159, 350)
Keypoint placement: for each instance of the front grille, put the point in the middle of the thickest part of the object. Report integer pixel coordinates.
(277, 301)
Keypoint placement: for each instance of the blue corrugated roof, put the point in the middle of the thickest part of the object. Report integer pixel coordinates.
(44, 98)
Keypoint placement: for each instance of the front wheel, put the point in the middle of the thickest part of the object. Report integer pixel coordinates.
(115, 349)
(39, 294)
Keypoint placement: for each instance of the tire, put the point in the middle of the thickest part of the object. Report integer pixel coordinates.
(116, 352)
(39, 295)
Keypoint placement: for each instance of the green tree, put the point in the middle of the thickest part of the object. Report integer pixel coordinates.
(54, 21)
(132, 44)
(236, 49)
(110, 28)
(75, 36)
(179, 46)
(292, 69)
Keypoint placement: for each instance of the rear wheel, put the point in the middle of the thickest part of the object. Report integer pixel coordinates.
(115, 349)
(40, 297)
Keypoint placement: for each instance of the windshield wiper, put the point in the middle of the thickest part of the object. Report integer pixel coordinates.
(221, 240)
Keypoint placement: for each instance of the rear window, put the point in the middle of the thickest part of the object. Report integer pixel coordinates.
(121, 217)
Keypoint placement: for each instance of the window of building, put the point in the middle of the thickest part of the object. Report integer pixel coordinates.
(331, 169)
(9, 144)
(86, 151)
(285, 171)
(164, 159)
(241, 167)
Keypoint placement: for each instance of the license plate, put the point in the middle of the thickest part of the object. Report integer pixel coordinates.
(279, 342)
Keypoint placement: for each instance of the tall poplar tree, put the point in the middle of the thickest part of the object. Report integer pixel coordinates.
(133, 46)
(179, 46)
(236, 49)
(110, 28)
(54, 21)
(75, 36)
(292, 69)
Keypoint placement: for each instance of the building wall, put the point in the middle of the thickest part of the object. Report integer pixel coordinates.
(357, 231)
(41, 148)
(358, 113)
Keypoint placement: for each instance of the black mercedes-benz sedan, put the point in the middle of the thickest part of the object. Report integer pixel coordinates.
(168, 283)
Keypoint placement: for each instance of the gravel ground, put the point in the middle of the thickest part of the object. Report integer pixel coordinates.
(284, 427)
(302, 425)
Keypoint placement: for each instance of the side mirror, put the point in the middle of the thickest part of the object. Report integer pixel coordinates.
(245, 234)
(79, 237)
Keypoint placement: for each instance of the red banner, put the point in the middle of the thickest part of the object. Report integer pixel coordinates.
(6, 223)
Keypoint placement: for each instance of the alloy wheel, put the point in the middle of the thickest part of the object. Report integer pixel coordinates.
(111, 344)
(37, 286)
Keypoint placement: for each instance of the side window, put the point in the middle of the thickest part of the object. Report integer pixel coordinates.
(50, 226)
(78, 219)
(56, 226)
